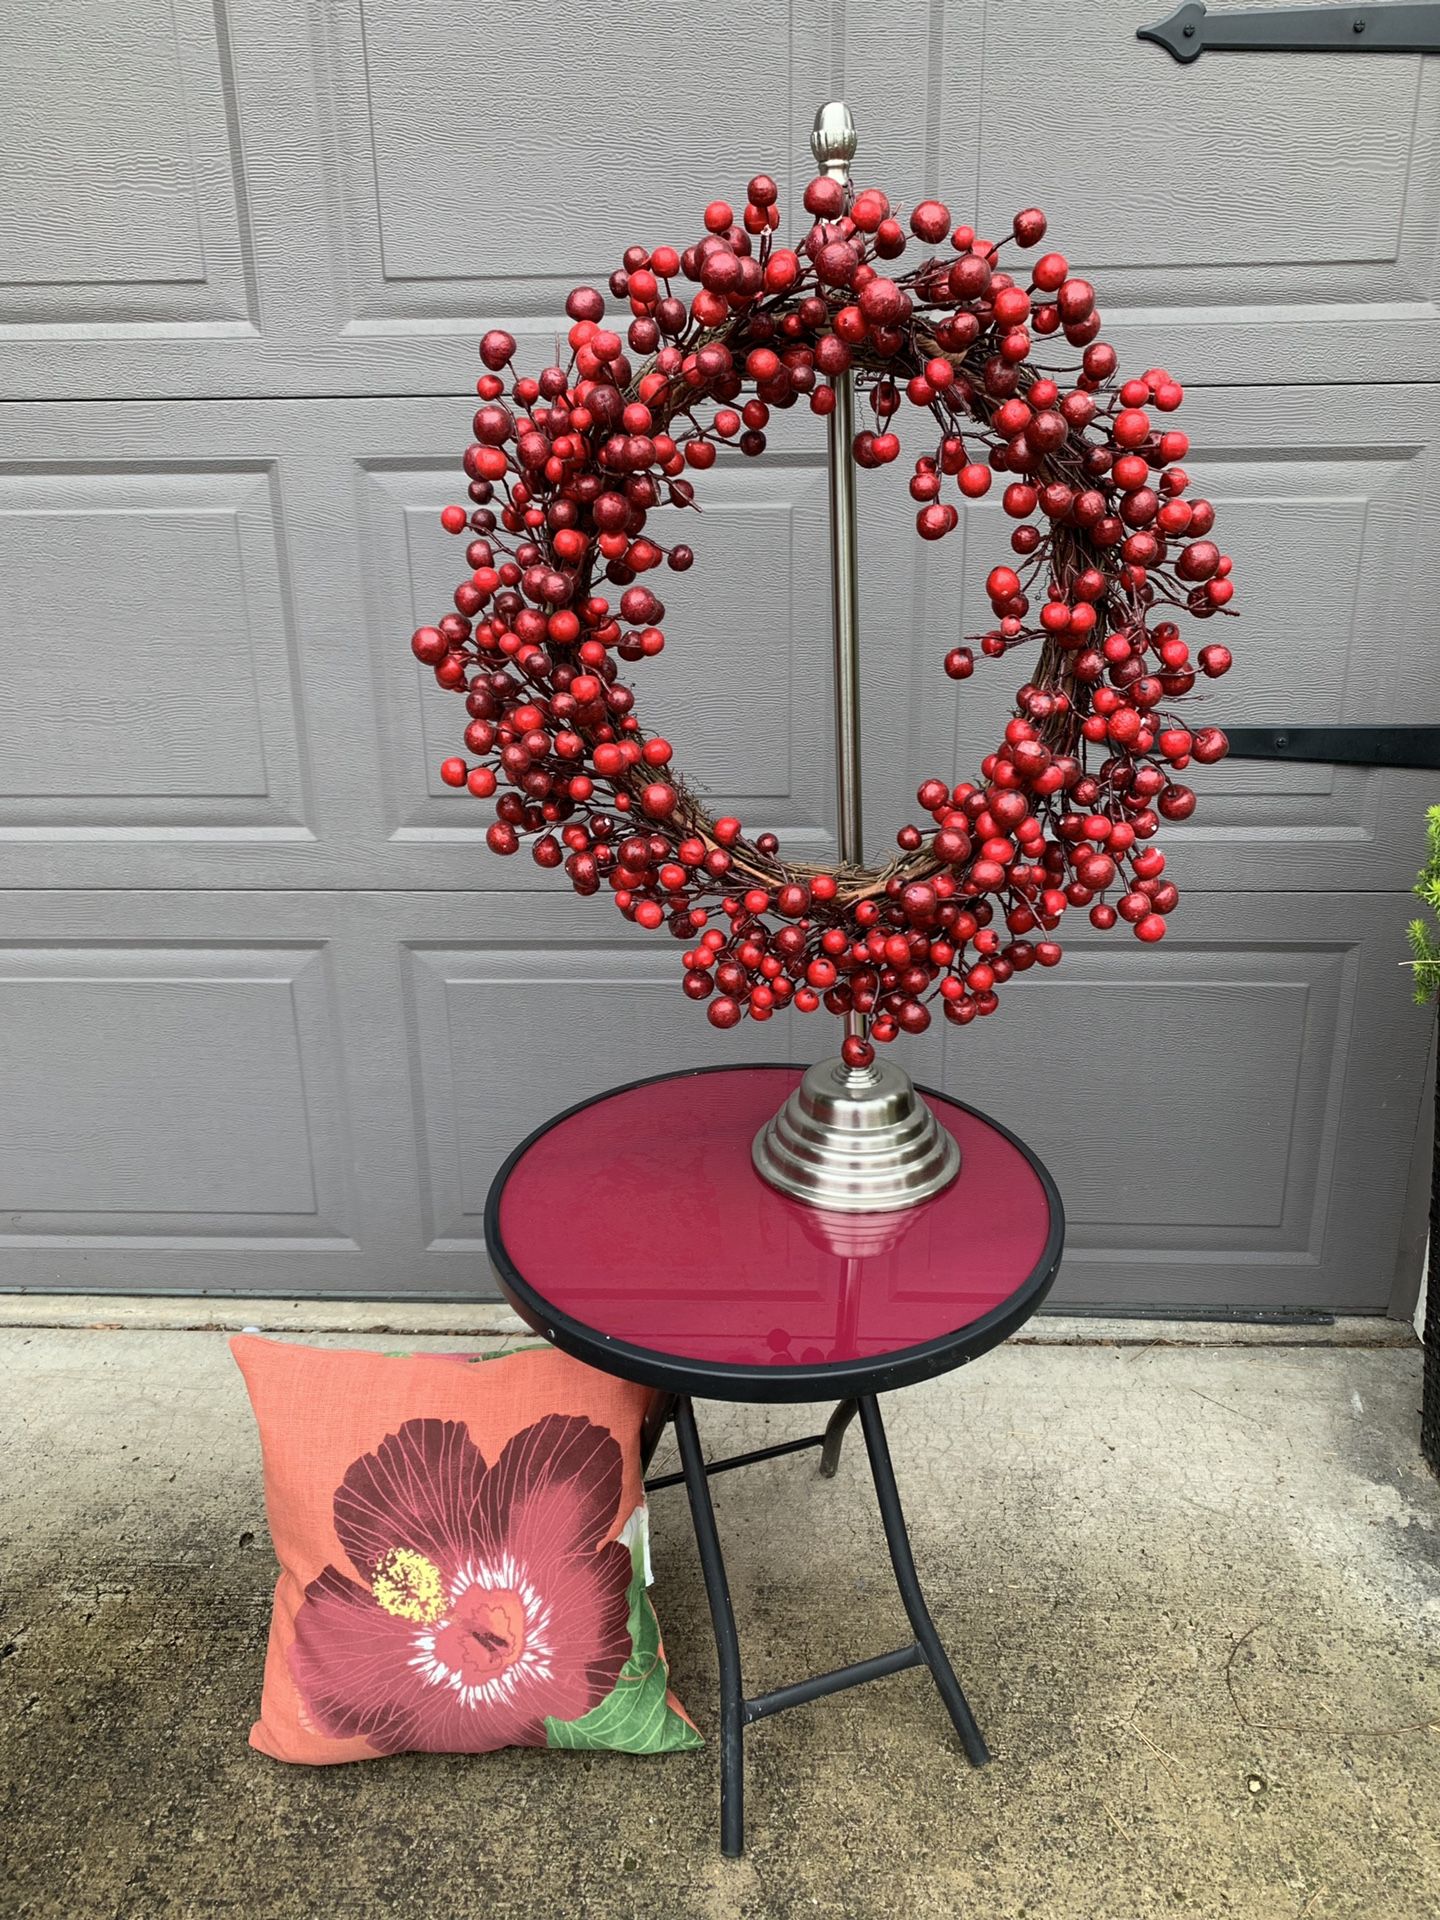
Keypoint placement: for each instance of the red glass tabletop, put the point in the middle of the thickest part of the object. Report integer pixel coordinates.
(636, 1233)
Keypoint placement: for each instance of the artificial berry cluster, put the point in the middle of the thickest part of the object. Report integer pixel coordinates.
(566, 468)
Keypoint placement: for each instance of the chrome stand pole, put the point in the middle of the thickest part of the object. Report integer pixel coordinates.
(851, 1139)
(833, 143)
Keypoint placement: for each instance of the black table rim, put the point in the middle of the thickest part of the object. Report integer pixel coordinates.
(730, 1380)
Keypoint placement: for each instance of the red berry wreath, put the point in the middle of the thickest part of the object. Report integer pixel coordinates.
(566, 468)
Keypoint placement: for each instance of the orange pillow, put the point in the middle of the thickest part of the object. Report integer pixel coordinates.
(463, 1556)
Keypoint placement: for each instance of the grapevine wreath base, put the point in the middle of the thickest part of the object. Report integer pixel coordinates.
(567, 467)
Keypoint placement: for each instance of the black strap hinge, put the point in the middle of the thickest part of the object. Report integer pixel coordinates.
(1191, 30)
(1343, 746)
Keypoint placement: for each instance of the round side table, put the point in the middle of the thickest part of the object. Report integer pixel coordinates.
(634, 1232)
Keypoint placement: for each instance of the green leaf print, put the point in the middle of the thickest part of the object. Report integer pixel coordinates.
(635, 1717)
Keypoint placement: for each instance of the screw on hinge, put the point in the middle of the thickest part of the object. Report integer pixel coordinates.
(1282, 740)
(1357, 26)
(1189, 29)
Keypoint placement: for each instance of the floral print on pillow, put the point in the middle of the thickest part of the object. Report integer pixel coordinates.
(483, 1606)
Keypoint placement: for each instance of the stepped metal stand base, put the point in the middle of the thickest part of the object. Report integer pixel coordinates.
(736, 1711)
(856, 1140)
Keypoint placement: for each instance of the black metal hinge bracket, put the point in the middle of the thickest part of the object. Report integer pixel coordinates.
(1402, 28)
(1342, 746)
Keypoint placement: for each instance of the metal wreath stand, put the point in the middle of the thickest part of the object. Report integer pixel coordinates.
(851, 1139)
(848, 1140)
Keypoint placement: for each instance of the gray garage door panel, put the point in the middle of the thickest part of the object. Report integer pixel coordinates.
(280, 1091)
(269, 198)
(264, 725)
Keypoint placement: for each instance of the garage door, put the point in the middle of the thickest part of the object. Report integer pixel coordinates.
(271, 1011)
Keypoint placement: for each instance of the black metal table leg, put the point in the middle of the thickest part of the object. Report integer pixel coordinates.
(835, 1428)
(736, 1712)
(653, 1426)
(727, 1642)
(903, 1561)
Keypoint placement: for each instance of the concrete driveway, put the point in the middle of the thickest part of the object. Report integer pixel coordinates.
(1193, 1590)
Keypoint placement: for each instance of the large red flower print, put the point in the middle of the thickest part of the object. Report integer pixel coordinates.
(485, 1600)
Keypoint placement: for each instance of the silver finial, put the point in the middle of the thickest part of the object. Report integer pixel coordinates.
(833, 141)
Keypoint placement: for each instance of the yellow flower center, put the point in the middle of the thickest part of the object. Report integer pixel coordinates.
(409, 1586)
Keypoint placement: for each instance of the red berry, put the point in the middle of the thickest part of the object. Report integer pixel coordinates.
(1049, 272)
(1131, 428)
(825, 198)
(1176, 803)
(1030, 227)
(1199, 560)
(782, 270)
(1215, 660)
(497, 347)
(883, 303)
(1076, 301)
(969, 277)
(930, 221)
